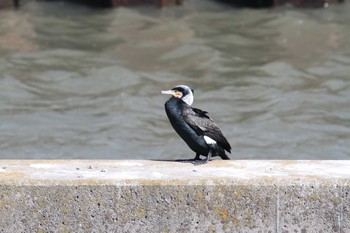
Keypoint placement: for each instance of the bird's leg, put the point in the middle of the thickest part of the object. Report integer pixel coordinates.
(204, 161)
(197, 157)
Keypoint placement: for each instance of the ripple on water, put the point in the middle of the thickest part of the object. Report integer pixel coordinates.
(79, 83)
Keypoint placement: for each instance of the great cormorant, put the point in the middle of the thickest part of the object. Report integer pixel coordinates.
(194, 126)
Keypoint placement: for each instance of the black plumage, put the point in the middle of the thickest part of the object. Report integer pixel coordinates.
(194, 126)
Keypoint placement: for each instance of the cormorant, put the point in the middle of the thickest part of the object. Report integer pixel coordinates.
(194, 126)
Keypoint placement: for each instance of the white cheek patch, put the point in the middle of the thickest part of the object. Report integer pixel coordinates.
(188, 99)
(209, 140)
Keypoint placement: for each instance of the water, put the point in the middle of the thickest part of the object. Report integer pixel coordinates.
(82, 83)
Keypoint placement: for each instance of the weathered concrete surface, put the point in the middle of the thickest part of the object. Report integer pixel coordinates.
(154, 196)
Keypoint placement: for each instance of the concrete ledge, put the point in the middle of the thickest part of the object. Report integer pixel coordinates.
(153, 196)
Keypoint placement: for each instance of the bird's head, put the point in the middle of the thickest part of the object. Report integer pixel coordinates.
(182, 92)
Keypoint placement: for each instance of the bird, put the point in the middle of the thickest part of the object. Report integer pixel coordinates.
(194, 126)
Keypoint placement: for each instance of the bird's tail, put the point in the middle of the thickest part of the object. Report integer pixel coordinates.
(224, 156)
(219, 151)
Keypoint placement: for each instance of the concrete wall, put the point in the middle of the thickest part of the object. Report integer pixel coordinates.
(154, 196)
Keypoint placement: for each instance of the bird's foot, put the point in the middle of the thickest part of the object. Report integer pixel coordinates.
(189, 160)
(193, 161)
(185, 160)
(199, 162)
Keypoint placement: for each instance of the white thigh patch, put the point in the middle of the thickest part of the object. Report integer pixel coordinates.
(209, 140)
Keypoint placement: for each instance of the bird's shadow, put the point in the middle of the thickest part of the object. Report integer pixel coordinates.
(192, 161)
(174, 160)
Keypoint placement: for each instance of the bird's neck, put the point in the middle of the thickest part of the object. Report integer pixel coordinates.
(175, 105)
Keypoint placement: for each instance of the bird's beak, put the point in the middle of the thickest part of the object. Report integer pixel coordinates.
(168, 92)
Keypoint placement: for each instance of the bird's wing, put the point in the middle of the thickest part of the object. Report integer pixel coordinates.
(201, 113)
(202, 123)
